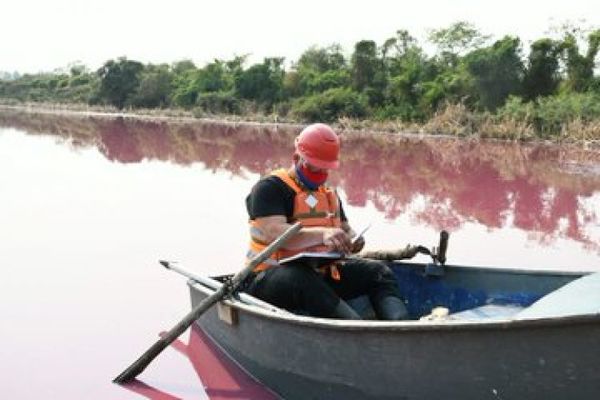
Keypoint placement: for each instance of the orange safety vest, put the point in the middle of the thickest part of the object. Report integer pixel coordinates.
(311, 208)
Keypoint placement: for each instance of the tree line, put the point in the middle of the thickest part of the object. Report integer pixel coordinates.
(552, 81)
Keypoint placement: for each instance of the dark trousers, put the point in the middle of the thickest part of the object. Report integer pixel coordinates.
(299, 288)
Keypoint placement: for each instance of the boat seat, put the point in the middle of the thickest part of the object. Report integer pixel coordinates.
(580, 296)
(487, 312)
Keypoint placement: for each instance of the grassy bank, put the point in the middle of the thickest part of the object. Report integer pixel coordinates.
(453, 120)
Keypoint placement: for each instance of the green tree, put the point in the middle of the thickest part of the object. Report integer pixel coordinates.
(580, 68)
(235, 66)
(404, 90)
(369, 74)
(322, 59)
(331, 105)
(262, 83)
(407, 70)
(182, 66)
(119, 81)
(458, 39)
(213, 77)
(318, 70)
(399, 45)
(190, 83)
(184, 93)
(497, 71)
(155, 87)
(365, 64)
(77, 69)
(453, 86)
(542, 75)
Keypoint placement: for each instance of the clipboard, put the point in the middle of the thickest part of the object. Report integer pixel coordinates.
(314, 259)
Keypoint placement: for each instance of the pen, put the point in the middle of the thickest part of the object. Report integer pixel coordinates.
(361, 233)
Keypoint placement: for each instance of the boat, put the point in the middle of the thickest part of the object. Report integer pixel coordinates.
(509, 334)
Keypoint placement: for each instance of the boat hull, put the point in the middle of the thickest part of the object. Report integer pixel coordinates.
(309, 358)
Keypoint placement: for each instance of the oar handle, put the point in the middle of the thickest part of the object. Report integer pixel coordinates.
(141, 363)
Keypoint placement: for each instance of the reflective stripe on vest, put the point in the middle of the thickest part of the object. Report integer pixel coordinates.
(311, 208)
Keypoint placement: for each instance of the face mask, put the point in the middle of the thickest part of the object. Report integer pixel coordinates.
(311, 179)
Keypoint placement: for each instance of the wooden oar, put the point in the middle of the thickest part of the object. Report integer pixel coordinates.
(141, 363)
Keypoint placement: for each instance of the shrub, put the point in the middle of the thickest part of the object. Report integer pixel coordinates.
(331, 105)
(404, 111)
(550, 115)
(553, 112)
(219, 103)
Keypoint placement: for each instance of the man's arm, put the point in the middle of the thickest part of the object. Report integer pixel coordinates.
(271, 227)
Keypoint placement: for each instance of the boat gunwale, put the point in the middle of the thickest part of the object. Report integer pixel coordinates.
(491, 268)
(415, 325)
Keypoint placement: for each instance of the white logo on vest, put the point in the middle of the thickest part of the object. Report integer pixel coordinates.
(311, 201)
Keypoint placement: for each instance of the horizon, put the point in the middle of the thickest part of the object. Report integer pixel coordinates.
(64, 32)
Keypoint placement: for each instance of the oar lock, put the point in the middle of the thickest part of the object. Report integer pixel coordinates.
(438, 255)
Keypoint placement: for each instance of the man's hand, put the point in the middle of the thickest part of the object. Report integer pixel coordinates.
(358, 244)
(411, 251)
(337, 240)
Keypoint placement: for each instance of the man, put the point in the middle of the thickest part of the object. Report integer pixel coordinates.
(300, 193)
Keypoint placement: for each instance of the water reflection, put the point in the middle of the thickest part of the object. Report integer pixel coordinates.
(222, 378)
(149, 392)
(549, 191)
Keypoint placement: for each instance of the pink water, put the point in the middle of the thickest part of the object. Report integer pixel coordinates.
(89, 204)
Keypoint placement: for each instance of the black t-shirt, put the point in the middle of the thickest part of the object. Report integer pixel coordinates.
(271, 196)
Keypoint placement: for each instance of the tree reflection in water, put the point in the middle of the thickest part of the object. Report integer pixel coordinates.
(543, 189)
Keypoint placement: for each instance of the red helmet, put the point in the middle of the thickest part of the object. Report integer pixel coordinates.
(319, 145)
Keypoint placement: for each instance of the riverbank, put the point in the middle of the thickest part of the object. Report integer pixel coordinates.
(453, 120)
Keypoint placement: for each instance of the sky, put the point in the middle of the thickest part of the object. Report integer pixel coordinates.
(43, 35)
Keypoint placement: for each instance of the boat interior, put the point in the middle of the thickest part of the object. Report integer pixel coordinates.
(477, 294)
(471, 293)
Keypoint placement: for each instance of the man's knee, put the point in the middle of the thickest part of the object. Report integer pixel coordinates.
(379, 270)
(382, 279)
(301, 275)
(291, 277)
(299, 289)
